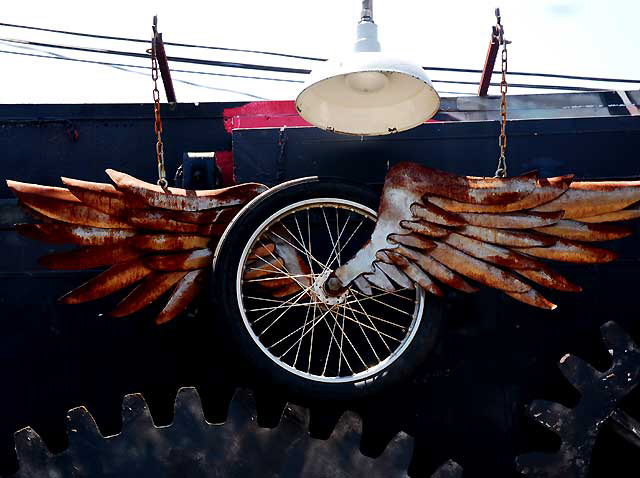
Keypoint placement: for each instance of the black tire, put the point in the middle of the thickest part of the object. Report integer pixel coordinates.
(228, 259)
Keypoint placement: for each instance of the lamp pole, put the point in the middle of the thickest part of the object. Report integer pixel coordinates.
(367, 11)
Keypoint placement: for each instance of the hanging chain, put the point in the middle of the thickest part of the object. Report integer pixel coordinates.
(162, 175)
(501, 172)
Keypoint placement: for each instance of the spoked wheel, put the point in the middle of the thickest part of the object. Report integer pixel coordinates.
(273, 269)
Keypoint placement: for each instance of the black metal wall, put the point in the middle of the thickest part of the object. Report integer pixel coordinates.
(467, 402)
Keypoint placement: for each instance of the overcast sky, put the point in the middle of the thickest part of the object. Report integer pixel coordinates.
(576, 37)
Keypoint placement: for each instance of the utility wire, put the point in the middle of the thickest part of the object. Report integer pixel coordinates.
(124, 65)
(138, 40)
(248, 66)
(301, 57)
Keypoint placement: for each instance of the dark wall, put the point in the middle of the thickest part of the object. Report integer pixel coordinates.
(466, 403)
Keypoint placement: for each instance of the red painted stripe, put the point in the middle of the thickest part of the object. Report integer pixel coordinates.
(263, 114)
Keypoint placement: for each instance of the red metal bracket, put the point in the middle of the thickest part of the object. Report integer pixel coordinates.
(489, 63)
(163, 63)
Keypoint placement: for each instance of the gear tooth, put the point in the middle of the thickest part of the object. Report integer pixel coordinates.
(188, 406)
(450, 469)
(298, 414)
(31, 451)
(578, 372)
(242, 406)
(348, 421)
(398, 452)
(80, 421)
(135, 410)
(619, 342)
(553, 416)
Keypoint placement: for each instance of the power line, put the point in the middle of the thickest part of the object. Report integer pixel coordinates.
(178, 59)
(124, 65)
(248, 66)
(138, 40)
(311, 58)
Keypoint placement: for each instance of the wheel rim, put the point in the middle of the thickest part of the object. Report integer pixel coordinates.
(316, 336)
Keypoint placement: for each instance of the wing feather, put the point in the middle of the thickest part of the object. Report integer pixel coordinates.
(437, 270)
(184, 261)
(100, 196)
(395, 274)
(181, 199)
(379, 279)
(477, 270)
(622, 215)
(571, 251)
(506, 237)
(115, 278)
(169, 242)
(512, 220)
(184, 293)
(546, 190)
(593, 198)
(412, 271)
(489, 253)
(71, 212)
(151, 288)
(50, 192)
(579, 231)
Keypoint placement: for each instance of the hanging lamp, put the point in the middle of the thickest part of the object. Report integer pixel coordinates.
(367, 92)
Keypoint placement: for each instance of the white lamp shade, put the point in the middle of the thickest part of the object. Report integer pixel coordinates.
(368, 93)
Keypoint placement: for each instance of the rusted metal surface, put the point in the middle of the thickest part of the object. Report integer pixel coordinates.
(578, 427)
(490, 229)
(579, 231)
(117, 277)
(162, 239)
(489, 63)
(182, 199)
(185, 292)
(152, 287)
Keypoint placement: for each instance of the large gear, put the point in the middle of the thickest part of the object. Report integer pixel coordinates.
(578, 427)
(194, 448)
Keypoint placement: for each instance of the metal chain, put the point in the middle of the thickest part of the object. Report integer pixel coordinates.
(162, 175)
(501, 172)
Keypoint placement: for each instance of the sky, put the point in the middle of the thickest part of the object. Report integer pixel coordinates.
(575, 37)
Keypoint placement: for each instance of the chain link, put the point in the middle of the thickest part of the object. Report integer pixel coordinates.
(501, 172)
(162, 175)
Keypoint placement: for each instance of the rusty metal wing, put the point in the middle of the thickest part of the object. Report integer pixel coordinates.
(438, 228)
(160, 240)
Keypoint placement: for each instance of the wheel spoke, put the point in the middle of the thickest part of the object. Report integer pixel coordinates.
(374, 326)
(370, 297)
(386, 292)
(346, 306)
(306, 320)
(295, 297)
(348, 340)
(298, 249)
(279, 317)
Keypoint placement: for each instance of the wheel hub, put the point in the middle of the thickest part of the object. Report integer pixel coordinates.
(324, 289)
